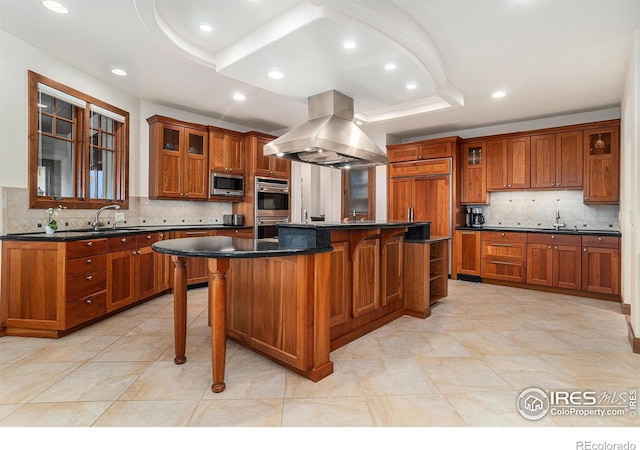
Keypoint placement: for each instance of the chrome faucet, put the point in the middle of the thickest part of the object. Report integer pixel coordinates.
(96, 220)
(557, 225)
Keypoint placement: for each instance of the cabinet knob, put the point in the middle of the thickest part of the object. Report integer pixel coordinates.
(133, 252)
(599, 238)
(552, 236)
(551, 184)
(89, 261)
(89, 244)
(556, 247)
(549, 247)
(148, 236)
(236, 232)
(502, 234)
(504, 185)
(139, 252)
(509, 186)
(161, 235)
(584, 249)
(90, 277)
(89, 301)
(123, 240)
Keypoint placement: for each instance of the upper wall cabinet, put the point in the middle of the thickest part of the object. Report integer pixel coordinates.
(508, 164)
(226, 151)
(602, 165)
(178, 160)
(435, 148)
(474, 173)
(556, 160)
(268, 166)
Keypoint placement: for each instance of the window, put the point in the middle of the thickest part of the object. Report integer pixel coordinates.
(78, 148)
(358, 189)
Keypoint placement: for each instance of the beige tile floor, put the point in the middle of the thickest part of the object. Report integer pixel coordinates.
(463, 366)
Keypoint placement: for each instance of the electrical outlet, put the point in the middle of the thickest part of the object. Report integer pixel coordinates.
(119, 217)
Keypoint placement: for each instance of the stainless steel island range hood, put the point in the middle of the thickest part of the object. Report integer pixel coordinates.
(329, 138)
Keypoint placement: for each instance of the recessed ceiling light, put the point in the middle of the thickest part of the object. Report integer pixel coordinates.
(119, 72)
(275, 74)
(498, 94)
(349, 44)
(206, 28)
(55, 7)
(390, 66)
(412, 85)
(239, 96)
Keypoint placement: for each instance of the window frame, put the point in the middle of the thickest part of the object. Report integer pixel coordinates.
(80, 152)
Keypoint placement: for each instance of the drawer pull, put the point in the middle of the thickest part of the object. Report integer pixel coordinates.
(89, 261)
(502, 245)
(148, 236)
(123, 240)
(90, 277)
(89, 301)
(504, 263)
(139, 252)
(90, 244)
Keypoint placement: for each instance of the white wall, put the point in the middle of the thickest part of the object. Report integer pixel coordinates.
(17, 58)
(629, 187)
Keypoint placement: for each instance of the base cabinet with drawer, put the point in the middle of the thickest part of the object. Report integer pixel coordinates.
(504, 256)
(50, 287)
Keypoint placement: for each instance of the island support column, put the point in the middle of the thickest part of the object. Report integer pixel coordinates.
(180, 308)
(218, 310)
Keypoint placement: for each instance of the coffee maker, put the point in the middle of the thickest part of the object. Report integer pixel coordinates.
(473, 216)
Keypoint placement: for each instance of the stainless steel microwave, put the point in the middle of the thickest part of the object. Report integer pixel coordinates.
(227, 185)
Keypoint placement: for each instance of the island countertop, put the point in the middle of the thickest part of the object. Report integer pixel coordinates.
(227, 247)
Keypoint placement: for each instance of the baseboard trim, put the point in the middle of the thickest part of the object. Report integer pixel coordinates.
(626, 308)
(635, 341)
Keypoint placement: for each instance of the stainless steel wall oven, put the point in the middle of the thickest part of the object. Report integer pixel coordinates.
(272, 206)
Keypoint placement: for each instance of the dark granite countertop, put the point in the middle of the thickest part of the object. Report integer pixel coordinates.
(579, 231)
(299, 232)
(227, 247)
(354, 224)
(88, 233)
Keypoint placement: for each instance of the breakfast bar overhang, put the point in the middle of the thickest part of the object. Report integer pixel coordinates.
(316, 288)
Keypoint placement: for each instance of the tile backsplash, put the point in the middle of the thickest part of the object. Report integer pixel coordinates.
(18, 218)
(537, 209)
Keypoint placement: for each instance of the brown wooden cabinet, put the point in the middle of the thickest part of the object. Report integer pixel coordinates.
(556, 160)
(601, 264)
(602, 165)
(178, 160)
(69, 289)
(508, 163)
(197, 268)
(422, 197)
(245, 233)
(226, 151)
(268, 166)
(468, 252)
(504, 256)
(474, 175)
(436, 148)
(554, 260)
(133, 270)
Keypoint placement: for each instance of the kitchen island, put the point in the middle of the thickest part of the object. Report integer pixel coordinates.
(318, 287)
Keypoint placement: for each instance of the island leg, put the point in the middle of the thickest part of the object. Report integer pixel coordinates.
(180, 308)
(218, 312)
